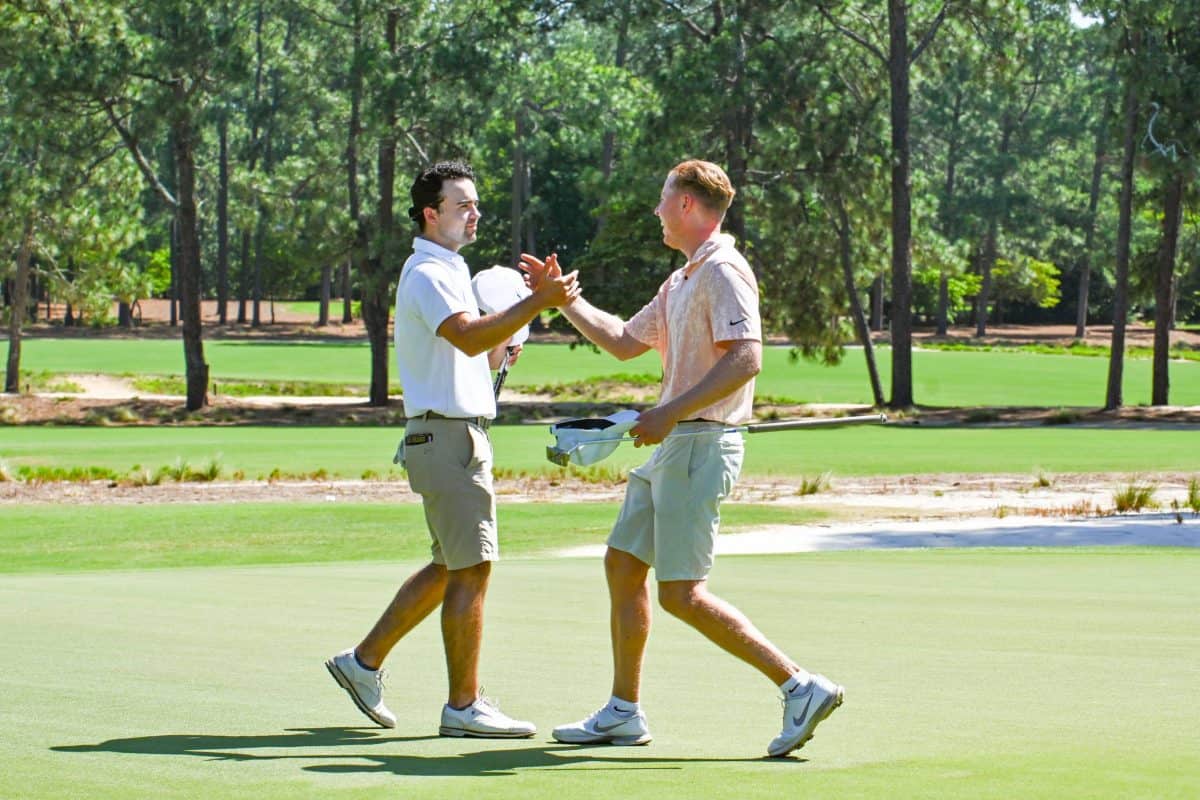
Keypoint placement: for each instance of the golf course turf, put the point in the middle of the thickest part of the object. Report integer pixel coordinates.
(983, 673)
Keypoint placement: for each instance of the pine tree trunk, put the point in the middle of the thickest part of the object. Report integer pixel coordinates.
(1116, 360)
(16, 310)
(243, 278)
(174, 266)
(326, 280)
(1163, 289)
(189, 263)
(376, 281)
(223, 221)
(517, 196)
(1085, 268)
(358, 254)
(902, 378)
(877, 304)
(856, 310)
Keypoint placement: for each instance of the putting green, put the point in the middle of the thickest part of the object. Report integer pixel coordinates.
(981, 674)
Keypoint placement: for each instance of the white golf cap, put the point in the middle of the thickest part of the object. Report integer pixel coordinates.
(576, 438)
(499, 288)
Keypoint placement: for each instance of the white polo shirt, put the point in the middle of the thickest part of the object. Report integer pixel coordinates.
(435, 284)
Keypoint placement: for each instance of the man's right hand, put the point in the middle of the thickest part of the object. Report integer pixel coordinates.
(548, 284)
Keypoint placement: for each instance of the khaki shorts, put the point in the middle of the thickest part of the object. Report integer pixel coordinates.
(670, 516)
(449, 464)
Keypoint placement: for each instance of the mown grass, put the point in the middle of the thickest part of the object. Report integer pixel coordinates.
(1076, 348)
(349, 452)
(174, 385)
(208, 681)
(91, 537)
(941, 377)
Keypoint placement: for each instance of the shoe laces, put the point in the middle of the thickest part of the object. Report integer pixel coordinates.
(381, 675)
(492, 703)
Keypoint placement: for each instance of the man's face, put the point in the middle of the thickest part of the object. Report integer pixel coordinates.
(457, 215)
(670, 212)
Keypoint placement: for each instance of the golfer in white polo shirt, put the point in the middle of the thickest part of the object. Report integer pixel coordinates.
(705, 325)
(445, 349)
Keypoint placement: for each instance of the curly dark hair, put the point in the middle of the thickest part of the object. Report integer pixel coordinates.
(427, 188)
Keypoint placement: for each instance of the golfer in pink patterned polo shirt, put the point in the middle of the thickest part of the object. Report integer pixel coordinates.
(704, 323)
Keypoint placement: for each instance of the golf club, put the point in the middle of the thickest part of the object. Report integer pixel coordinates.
(573, 450)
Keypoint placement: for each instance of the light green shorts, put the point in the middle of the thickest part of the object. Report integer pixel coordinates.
(449, 464)
(670, 516)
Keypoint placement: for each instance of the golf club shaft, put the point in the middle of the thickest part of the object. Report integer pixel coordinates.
(762, 427)
(502, 373)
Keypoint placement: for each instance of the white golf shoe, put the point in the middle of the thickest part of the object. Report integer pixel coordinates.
(364, 686)
(802, 711)
(483, 720)
(606, 726)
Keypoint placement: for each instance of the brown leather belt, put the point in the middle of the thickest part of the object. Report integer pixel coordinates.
(479, 422)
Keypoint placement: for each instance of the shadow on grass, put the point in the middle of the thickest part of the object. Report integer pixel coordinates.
(470, 762)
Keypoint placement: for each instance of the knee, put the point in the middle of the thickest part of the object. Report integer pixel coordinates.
(680, 598)
(469, 579)
(624, 572)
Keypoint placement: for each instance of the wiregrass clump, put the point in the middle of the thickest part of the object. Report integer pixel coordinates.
(1193, 495)
(1134, 497)
(815, 484)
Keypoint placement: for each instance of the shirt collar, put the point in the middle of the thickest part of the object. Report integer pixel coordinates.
(710, 245)
(432, 248)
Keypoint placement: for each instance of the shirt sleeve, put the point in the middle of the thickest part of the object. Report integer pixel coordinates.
(733, 310)
(646, 325)
(434, 297)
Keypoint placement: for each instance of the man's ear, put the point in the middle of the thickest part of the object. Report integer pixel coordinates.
(430, 215)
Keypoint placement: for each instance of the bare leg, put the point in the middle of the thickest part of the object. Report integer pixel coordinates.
(462, 630)
(416, 598)
(725, 626)
(629, 595)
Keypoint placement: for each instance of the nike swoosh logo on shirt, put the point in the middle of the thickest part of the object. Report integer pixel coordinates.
(799, 720)
(740, 321)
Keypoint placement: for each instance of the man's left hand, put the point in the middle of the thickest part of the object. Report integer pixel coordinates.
(653, 426)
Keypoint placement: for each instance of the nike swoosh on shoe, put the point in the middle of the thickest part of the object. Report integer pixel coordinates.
(799, 720)
(606, 728)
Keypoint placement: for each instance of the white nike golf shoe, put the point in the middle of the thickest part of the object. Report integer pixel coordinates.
(483, 719)
(802, 711)
(364, 686)
(606, 726)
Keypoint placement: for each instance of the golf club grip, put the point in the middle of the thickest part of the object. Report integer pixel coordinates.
(502, 373)
(831, 422)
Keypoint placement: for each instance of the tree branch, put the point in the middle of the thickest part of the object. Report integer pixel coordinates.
(688, 22)
(135, 149)
(852, 35)
(929, 34)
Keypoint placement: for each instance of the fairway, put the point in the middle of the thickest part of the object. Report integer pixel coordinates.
(982, 674)
(941, 378)
(351, 452)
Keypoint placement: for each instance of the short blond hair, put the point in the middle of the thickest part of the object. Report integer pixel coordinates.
(707, 182)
